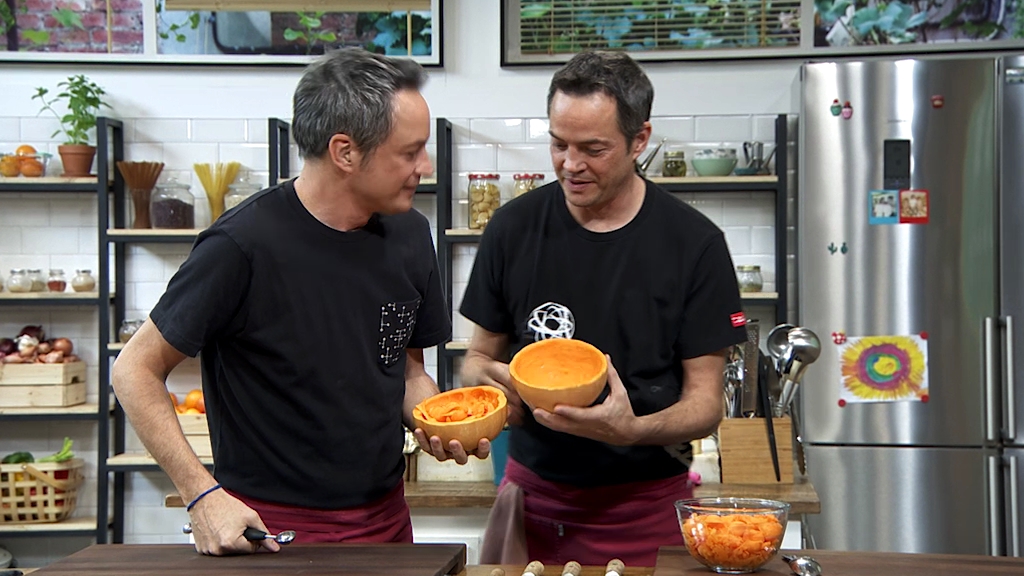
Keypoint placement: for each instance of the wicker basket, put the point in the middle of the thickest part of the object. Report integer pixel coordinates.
(39, 492)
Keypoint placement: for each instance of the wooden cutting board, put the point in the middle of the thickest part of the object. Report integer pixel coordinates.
(327, 559)
(675, 561)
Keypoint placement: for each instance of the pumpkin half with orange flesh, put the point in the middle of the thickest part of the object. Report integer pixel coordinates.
(559, 371)
(464, 414)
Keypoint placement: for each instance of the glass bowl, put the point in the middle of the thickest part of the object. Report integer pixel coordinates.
(27, 165)
(732, 535)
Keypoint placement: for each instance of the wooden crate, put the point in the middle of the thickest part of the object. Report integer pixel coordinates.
(41, 396)
(46, 374)
(745, 455)
(197, 433)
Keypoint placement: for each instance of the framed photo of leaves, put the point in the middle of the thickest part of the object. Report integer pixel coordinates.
(216, 31)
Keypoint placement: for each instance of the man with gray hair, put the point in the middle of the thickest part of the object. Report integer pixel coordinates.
(311, 303)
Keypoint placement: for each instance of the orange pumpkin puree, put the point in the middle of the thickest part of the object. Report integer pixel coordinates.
(733, 540)
(555, 364)
(460, 404)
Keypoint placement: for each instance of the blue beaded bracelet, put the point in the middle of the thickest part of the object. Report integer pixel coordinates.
(200, 497)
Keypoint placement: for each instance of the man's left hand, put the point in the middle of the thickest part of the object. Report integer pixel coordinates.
(612, 421)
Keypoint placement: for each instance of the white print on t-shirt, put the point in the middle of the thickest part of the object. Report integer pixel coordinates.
(551, 320)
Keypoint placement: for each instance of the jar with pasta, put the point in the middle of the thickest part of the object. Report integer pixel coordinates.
(484, 199)
(525, 183)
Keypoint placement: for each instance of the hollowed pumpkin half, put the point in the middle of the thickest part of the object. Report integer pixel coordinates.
(559, 371)
(464, 414)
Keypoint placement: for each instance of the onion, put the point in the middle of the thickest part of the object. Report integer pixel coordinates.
(55, 357)
(27, 345)
(36, 332)
(7, 346)
(62, 344)
(13, 359)
(44, 348)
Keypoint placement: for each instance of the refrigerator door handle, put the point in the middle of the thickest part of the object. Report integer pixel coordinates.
(1011, 395)
(995, 519)
(993, 414)
(1014, 508)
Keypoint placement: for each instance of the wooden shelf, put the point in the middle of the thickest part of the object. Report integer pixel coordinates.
(152, 235)
(140, 461)
(36, 182)
(50, 298)
(79, 410)
(457, 345)
(765, 179)
(84, 525)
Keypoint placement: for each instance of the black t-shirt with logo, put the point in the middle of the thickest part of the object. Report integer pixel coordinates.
(303, 331)
(659, 290)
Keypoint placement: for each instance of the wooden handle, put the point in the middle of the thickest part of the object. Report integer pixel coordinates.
(572, 568)
(535, 568)
(497, 572)
(615, 568)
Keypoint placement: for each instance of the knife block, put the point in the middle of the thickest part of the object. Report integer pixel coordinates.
(745, 455)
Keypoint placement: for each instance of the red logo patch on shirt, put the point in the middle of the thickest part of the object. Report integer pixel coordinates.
(738, 319)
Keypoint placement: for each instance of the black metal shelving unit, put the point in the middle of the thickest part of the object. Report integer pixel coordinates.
(777, 185)
(109, 149)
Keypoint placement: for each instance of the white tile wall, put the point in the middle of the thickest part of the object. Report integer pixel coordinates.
(59, 230)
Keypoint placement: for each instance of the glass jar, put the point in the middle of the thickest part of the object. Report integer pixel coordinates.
(83, 281)
(19, 281)
(525, 183)
(56, 281)
(484, 199)
(38, 280)
(172, 206)
(239, 191)
(749, 278)
(128, 329)
(674, 165)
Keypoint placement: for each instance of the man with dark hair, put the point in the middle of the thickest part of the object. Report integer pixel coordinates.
(311, 303)
(642, 276)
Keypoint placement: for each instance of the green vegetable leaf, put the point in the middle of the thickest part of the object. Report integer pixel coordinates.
(292, 35)
(63, 455)
(36, 36)
(67, 18)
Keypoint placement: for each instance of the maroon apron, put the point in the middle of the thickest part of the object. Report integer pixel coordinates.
(383, 520)
(594, 525)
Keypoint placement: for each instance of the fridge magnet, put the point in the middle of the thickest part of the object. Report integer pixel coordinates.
(938, 101)
(839, 337)
(847, 110)
(882, 207)
(913, 206)
(883, 369)
(836, 107)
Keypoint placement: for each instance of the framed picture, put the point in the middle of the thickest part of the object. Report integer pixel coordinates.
(265, 32)
(539, 32)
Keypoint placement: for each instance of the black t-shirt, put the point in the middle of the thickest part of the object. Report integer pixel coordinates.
(659, 290)
(303, 331)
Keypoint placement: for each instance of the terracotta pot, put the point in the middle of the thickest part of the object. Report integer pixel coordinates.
(77, 159)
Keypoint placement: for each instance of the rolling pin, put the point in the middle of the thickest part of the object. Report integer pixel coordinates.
(572, 568)
(615, 568)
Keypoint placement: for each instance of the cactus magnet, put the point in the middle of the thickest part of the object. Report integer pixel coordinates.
(847, 110)
(836, 108)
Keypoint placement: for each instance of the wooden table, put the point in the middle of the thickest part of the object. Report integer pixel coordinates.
(801, 495)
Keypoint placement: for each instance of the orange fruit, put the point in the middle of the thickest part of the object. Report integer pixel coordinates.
(9, 166)
(25, 150)
(193, 398)
(192, 411)
(180, 408)
(174, 398)
(32, 168)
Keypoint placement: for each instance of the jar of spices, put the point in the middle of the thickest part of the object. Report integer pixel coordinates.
(239, 191)
(83, 281)
(674, 164)
(38, 280)
(56, 281)
(172, 206)
(19, 281)
(525, 183)
(484, 199)
(749, 278)
(128, 329)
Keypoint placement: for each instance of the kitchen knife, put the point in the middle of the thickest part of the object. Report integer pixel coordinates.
(765, 408)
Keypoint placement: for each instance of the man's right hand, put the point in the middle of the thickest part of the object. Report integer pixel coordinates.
(480, 370)
(218, 521)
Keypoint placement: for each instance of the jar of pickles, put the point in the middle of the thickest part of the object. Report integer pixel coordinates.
(749, 278)
(38, 280)
(19, 281)
(526, 182)
(674, 164)
(484, 199)
(83, 281)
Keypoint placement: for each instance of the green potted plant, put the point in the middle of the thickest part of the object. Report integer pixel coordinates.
(83, 99)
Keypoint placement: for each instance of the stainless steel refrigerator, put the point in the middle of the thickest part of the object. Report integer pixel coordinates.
(910, 256)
